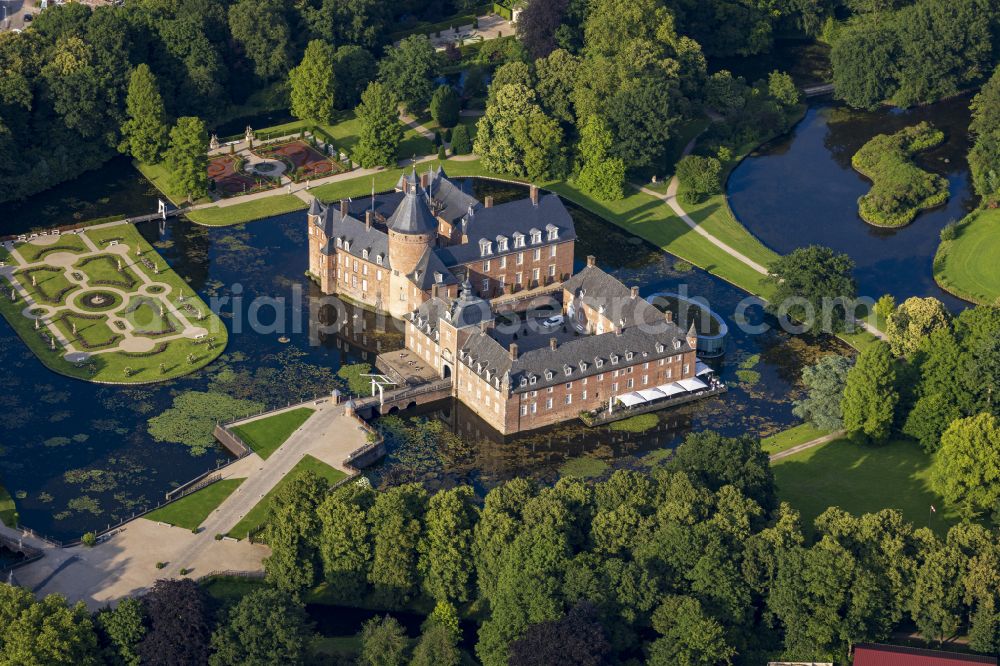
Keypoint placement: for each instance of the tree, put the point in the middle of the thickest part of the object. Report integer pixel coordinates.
(716, 461)
(355, 68)
(121, 630)
(460, 142)
(782, 89)
(179, 624)
(516, 137)
(510, 73)
(314, 83)
(870, 395)
(445, 106)
(46, 632)
(344, 540)
(557, 79)
(913, 321)
(187, 157)
(936, 598)
(438, 646)
(688, 635)
(293, 528)
(145, 132)
(966, 470)
(396, 525)
(825, 382)
(700, 177)
(261, 28)
(576, 639)
(600, 175)
(446, 545)
(537, 25)
(381, 133)
(864, 60)
(409, 70)
(814, 287)
(383, 642)
(265, 627)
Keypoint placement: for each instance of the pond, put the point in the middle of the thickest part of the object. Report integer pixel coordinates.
(77, 456)
(801, 190)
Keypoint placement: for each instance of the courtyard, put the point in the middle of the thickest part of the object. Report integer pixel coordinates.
(100, 304)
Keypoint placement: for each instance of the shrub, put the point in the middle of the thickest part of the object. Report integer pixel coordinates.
(460, 142)
(700, 177)
(445, 105)
(442, 153)
(89, 540)
(160, 565)
(185, 572)
(950, 231)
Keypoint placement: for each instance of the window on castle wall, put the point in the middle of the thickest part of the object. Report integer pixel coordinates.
(538, 253)
(552, 250)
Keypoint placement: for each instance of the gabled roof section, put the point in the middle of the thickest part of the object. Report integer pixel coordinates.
(412, 216)
(427, 271)
(612, 299)
(428, 314)
(469, 309)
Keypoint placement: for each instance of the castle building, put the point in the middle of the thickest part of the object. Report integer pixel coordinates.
(613, 350)
(430, 234)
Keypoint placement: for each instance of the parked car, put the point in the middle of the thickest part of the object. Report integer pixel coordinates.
(28, 18)
(552, 321)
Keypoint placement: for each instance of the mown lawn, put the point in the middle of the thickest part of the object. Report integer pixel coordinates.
(265, 435)
(71, 243)
(862, 479)
(257, 515)
(191, 511)
(221, 216)
(786, 439)
(968, 265)
(8, 511)
(159, 176)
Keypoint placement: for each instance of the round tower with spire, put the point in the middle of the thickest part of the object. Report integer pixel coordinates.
(412, 230)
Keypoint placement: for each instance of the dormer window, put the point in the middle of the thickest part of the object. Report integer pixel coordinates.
(485, 248)
(677, 344)
(340, 242)
(347, 245)
(548, 374)
(628, 356)
(532, 380)
(378, 259)
(659, 347)
(479, 368)
(518, 239)
(524, 382)
(536, 236)
(417, 274)
(501, 243)
(583, 367)
(568, 370)
(438, 277)
(489, 375)
(553, 232)
(614, 358)
(364, 253)
(599, 362)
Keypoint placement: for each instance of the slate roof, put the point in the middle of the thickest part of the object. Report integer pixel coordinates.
(466, 310)
(506, 219)
(606, 294)
(427, 315)
(354, 235)
(428, 268)
(412, 216)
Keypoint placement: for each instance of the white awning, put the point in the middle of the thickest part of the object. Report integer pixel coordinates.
(651, 394)
(631, 399)
(702, 369)
(670, 389)
(692, 384)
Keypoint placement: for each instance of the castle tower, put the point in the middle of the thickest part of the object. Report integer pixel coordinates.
(692, 337)
(317, 239)
(412, 230)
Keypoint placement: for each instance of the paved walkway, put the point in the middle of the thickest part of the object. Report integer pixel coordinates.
(125, 564)
(491, 26)
(799, 448)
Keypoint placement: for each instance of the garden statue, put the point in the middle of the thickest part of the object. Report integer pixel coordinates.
(213, 144)
(74, 328)
(119, 265)
(37, 326)
(52, 343)
(34, 281)
(163, 369)
(250, 136)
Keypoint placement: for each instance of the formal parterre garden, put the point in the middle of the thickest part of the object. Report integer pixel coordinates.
(968, 265)
(900, 189)
(102, 305)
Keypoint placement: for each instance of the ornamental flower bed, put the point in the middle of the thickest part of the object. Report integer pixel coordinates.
(306, 162)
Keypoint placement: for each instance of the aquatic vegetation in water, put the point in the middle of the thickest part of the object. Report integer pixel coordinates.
(585, 467)
(352, 375)
(192, 418)
(748, 377)
(682, 266)
(638, 423)
(56, 441)
(85, 503)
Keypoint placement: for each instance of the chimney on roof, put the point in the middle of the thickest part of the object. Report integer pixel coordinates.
(369, 216)
(591, 261)
(634, 292)
(488, 201)
(534, 195)
(513, 351)
(424, 180)
(618, 328)
(343, 207)
(553, 343)
(669, 316)
(435, 290)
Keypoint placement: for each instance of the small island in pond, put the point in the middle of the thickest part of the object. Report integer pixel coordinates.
(900, 189)
(101, 305)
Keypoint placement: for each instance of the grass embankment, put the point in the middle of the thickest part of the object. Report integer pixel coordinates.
(159, 176)
(257, 515)
(862, 479)
(968, 265)
(265, 435)
(222, 216)
(178, 357)
(900, 189)
(786, 439)
(8, 510)
(191, 510)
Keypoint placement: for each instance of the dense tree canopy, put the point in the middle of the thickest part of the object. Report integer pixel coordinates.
(825, 382)
(381, 130)
(814, 287)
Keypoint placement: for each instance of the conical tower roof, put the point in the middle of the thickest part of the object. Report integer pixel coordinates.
(412, 216)
(314, 208)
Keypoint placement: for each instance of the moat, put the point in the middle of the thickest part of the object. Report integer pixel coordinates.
(77, 456)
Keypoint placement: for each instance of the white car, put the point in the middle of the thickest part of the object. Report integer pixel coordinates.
(552, 321)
